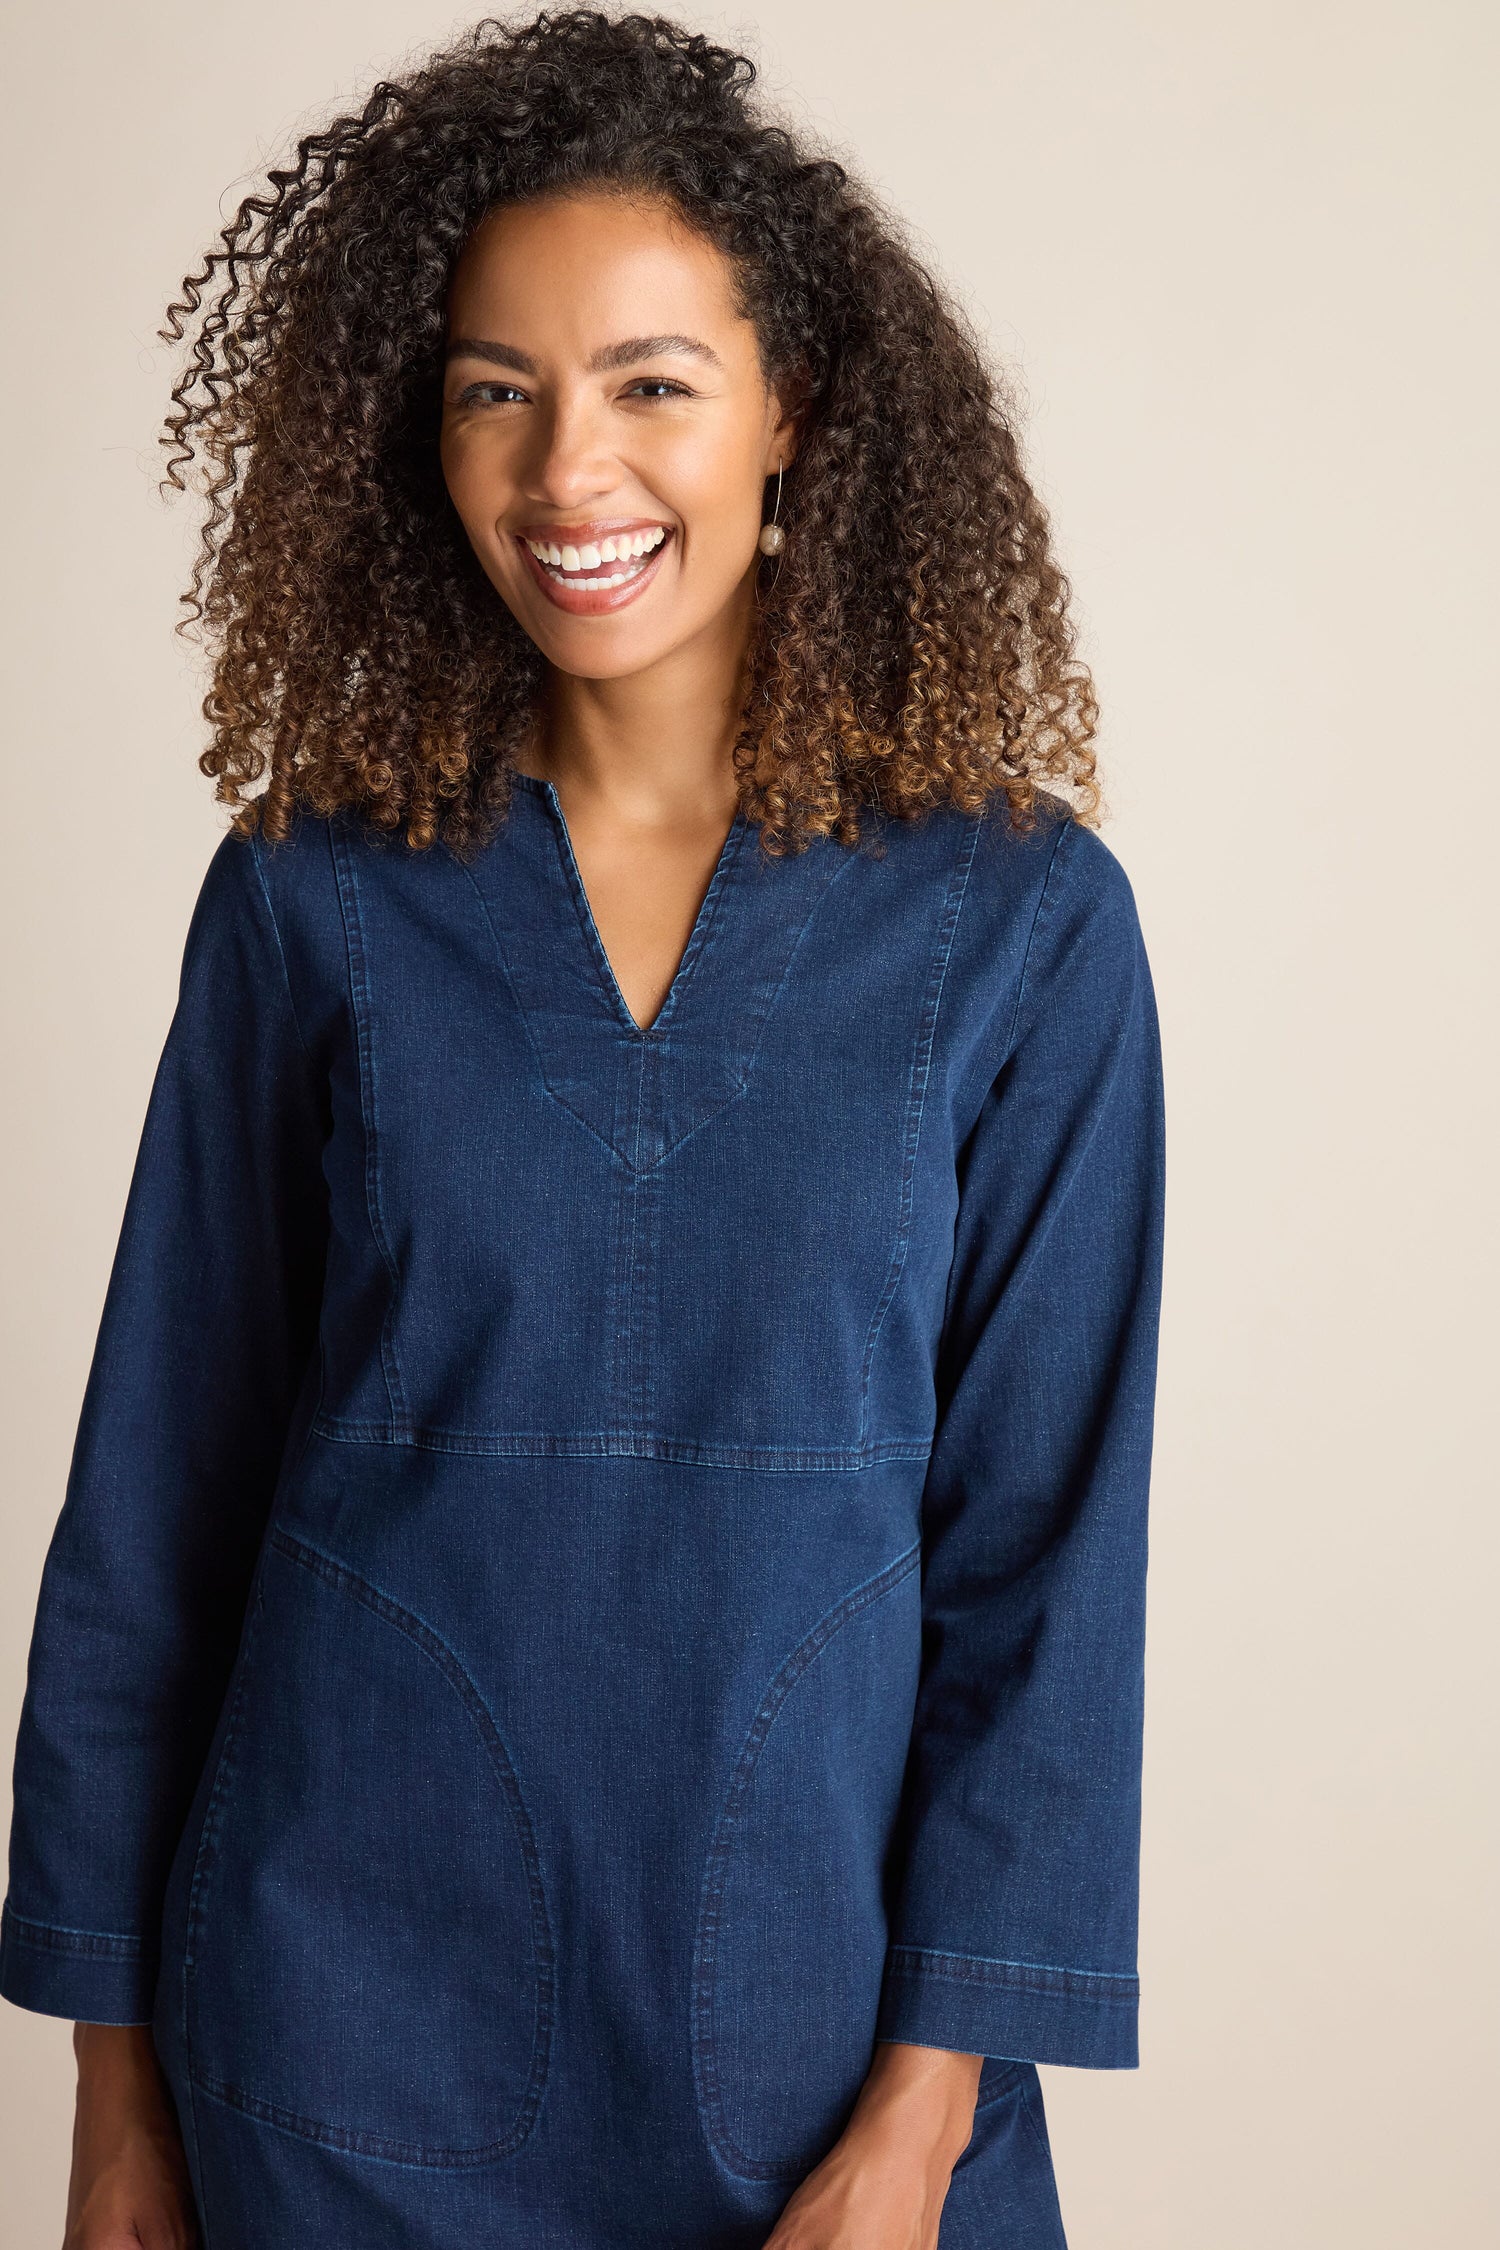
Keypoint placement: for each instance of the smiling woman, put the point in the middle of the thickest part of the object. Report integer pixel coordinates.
(362, 659)
(678, 428)
(621, 1421)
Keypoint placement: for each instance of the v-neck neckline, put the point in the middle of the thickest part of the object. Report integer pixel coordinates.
(545, 793)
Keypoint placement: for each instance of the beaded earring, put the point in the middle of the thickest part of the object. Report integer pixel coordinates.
(772, 537)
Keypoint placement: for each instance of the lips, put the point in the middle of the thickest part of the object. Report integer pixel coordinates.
(580, 600)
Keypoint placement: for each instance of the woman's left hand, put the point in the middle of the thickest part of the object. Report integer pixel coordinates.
(883, 2183)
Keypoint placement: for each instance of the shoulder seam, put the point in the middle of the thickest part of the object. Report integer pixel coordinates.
(1041, 896)
(286, 978)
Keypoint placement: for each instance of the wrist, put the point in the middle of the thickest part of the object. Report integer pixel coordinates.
(115, 2061)
(923, 2096)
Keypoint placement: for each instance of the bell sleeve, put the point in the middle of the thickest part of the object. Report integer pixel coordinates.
(1014, 1922)
(207, 1333)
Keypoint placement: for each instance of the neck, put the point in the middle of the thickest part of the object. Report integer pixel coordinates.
(652, 744)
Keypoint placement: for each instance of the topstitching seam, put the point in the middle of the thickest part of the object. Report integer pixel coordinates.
(286, 975)
(918, 1082)
(348, 890)
(118, 1945)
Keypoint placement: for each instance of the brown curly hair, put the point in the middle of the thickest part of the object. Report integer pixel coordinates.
(362, 657)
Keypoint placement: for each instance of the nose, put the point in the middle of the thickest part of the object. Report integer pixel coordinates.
(572, 461)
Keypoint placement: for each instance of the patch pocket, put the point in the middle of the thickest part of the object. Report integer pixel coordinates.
(793, 1927)
(369, 1961)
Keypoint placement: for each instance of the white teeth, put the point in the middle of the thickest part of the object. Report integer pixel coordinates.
(589, 556)
(624, 547)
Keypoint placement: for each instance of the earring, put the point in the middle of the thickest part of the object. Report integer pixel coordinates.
(772, 537)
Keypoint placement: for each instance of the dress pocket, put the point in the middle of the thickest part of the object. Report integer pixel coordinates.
(792, 1928)
(369, 1959)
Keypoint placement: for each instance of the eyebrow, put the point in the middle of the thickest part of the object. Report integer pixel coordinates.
(609, 356)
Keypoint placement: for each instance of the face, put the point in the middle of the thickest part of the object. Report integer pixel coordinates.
(607, 431)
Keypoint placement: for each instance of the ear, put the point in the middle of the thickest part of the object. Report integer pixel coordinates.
(787, 414)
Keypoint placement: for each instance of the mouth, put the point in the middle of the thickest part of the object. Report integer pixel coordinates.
(593, 569)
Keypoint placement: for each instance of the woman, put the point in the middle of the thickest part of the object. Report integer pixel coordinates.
(587, 1687)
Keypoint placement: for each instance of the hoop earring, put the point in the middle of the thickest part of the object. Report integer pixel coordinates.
(772, 537)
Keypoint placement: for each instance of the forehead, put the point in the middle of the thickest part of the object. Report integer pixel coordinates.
(578, 271)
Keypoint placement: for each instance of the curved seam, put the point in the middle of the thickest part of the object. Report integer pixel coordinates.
(355, 2139)
(705, 1945)
(354, 945)
(374, 2148)
(447, 1662)
(201, 1879)
(208, 1832)
(919, 1078)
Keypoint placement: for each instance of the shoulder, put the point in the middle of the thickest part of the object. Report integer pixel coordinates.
(293, 881)
(1086, 979)
(1043, 878)
(1047, 933)
(1069, 879)
(276, 907)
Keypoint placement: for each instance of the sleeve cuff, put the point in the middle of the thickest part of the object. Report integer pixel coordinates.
(1021, 2011)
(92, 1976)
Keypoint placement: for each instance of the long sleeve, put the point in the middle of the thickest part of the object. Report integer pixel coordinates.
(207, 1334)
(1015, 1915)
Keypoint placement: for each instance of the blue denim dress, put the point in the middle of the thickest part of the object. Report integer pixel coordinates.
(603, 1570)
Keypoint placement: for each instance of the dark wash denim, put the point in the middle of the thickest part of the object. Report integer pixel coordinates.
(603, 1571)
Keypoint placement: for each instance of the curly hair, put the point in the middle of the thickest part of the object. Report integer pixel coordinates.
(362, 658)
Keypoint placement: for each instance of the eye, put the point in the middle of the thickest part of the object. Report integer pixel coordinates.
(660, 386)
(477, 394)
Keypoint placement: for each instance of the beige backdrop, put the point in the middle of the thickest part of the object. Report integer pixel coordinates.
(1238, 252)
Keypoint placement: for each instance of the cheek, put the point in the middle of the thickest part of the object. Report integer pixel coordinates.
(476, 484)
(716, 493)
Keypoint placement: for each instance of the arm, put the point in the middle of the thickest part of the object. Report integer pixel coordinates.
(129, 2181)
(207, 1333)
(1015, 1926)
(883, 2184)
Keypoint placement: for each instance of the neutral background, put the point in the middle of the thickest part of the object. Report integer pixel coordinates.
(1241, 257)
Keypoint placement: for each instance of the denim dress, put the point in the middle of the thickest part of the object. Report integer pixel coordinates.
(603, 1569)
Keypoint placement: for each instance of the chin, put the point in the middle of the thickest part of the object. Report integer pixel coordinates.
(583, 660)
(596, 648)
